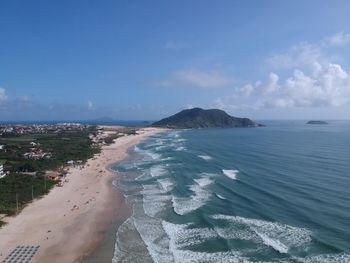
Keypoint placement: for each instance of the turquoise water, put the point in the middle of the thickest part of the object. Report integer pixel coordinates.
(273, 194)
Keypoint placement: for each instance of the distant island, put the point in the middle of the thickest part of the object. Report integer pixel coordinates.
(200, 118)
(317, 122)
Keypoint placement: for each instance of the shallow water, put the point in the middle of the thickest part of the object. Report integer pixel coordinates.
(273, 194)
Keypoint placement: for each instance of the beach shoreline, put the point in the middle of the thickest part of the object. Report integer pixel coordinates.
(70, 222)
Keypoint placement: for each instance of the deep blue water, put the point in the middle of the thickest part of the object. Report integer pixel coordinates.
(273, 194)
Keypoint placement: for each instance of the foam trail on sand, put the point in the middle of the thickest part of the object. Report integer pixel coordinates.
(156, 241)
(137, 149)
(231, 173)
(128, 239)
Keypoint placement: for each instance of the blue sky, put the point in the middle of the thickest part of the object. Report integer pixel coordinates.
(147, 59)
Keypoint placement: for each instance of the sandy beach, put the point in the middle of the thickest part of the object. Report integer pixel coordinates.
(70, 222)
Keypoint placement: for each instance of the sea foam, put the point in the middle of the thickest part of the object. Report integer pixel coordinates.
(278, 236)
(157, 170)
(128, 239)
(203, 181)
(205, 157)
(154, 200)
(327, 258)
(166, 184)
(274, 243)
(220, 197)
(183, 236)
(154, 156)
(184, 205)
(231, 173)
(156, 241)
(200, 195)
(180, 148)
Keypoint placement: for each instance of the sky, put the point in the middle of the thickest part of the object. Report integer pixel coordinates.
(145, 60)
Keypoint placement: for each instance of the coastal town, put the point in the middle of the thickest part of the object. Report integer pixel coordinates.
(48, 205)
(36, 157)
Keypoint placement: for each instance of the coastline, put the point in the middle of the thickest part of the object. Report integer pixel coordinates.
(70, 222)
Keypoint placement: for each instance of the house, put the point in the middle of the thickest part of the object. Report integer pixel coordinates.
(71, 162)
(54, 176)
(37, 154)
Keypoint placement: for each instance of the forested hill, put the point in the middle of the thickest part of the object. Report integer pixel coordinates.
(200, 118)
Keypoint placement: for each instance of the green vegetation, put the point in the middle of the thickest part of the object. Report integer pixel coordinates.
(26, 179)
(64, 146)
(21, 189)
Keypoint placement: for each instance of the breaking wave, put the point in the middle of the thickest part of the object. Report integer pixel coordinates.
(231, 173)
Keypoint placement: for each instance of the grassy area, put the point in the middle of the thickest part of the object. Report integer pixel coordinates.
(19, 188)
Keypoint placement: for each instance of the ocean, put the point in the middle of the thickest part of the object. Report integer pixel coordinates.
(274, 194)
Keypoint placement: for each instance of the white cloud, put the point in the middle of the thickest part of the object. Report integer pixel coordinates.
(303, 55)
(330, 87)
(90, 105)
(195, 78)
(3, 96)
(339, 39)
(310, 56)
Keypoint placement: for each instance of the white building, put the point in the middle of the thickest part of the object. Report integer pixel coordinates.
(2, 173)
(71, 162)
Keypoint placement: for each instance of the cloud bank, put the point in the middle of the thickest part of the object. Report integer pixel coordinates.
(311, 79)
